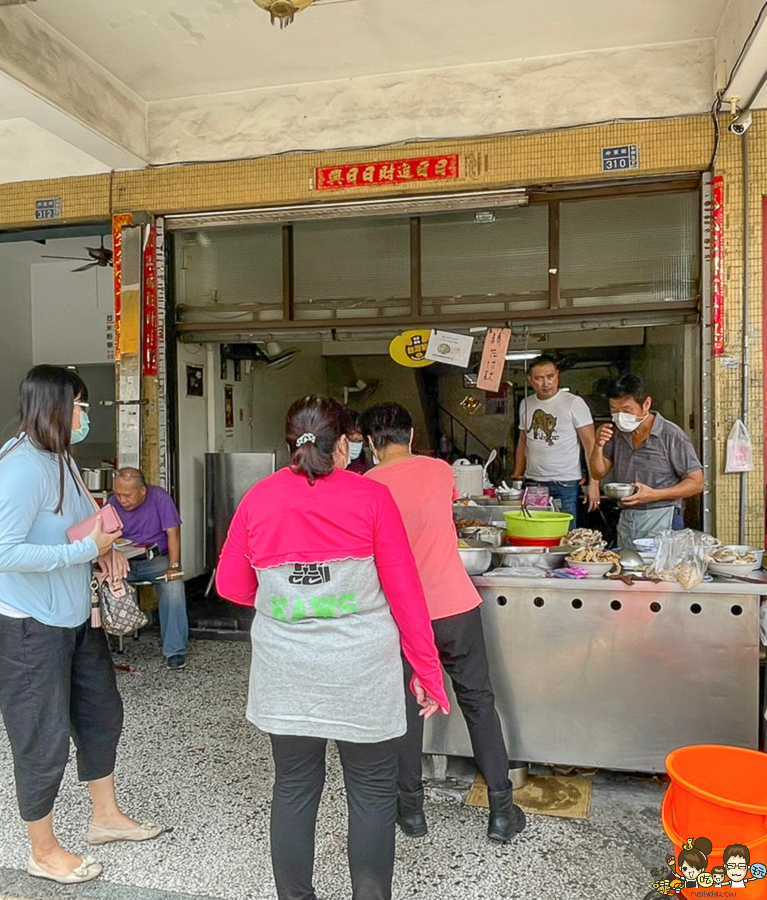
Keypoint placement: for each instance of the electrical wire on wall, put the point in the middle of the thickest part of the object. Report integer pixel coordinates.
(745, 327)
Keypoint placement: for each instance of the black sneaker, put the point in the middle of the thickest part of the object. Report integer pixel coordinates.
(176, 662)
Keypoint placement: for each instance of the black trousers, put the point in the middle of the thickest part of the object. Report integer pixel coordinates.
(370, 776)
(461, 645)
(56, 683)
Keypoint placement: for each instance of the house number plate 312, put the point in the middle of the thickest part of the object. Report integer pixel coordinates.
(48, 209)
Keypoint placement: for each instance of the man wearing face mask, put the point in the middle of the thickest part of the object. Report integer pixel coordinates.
(553, 426)
(648, 451)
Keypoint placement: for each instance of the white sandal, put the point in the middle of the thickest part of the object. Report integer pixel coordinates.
(99, 834)
(86, 871)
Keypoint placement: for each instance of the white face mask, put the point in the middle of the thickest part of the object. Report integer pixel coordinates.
(627, 422)
(355, 449)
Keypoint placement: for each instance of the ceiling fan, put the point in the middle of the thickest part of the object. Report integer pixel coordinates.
(97, 256)
(361, 390)
(273, 356)
(283, 11)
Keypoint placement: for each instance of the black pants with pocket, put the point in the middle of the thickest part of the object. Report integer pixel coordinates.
(461, 646)
(56, 683)
(370, 776)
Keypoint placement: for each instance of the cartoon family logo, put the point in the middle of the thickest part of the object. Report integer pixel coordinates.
(416, 348)
(690, 871)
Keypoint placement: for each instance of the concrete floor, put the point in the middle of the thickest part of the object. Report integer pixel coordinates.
(190, 760)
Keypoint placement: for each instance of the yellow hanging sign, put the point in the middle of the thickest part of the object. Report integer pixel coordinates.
(409, 348)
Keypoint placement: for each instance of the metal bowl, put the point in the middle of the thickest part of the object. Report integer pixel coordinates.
(508, 495)
(617, 491)
(524, 557)
(490, 533)
(476, 556)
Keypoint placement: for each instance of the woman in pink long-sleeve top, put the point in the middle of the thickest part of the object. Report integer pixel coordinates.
(324, 556)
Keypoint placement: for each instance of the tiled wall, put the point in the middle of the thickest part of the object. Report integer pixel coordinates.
(665, 146)
(727, 381)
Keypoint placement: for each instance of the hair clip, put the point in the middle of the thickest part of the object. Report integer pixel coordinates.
(306, 438)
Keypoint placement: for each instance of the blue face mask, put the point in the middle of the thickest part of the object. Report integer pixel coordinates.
(81, 433)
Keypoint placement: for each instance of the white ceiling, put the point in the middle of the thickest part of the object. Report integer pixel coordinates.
(29, 152)
(165, 49)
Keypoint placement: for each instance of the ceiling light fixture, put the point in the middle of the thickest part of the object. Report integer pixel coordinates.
(283, 10)
(521, 355)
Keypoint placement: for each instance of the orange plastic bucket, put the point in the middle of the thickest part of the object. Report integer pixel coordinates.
(757, 890)
(719, 792)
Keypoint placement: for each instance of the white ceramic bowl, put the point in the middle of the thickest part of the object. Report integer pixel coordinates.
(743, 569)
(595, 569)
(742, 549)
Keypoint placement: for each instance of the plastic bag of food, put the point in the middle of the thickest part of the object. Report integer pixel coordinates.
(740, 451)
(682, 557)
(536, 496)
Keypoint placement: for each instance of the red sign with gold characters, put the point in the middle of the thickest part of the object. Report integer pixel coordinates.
(118, 223)
(149, 331)
(717, 264)
(388, 172)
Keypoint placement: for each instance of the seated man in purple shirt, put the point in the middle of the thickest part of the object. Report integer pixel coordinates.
(150, 518)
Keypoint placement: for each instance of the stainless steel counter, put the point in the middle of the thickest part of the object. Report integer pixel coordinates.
(596, 673)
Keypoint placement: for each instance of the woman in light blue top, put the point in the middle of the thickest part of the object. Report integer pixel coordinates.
(56, 672)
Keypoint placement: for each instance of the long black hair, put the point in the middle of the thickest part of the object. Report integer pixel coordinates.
(46, 405)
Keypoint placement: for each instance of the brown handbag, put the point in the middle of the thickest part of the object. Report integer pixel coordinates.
(120, 612)
(113, 608)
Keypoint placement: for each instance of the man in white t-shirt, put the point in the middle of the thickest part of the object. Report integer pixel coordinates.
(553, 426)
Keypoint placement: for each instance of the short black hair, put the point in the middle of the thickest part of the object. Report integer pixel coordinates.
(387, 423)
(543, 360)
(352, 420)
(628, 385)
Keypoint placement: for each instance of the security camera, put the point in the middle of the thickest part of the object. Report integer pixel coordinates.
(742, 123)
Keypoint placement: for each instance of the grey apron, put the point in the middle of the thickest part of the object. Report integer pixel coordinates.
(643, 523)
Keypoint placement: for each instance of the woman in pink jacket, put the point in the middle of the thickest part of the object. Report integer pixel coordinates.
(324, 556)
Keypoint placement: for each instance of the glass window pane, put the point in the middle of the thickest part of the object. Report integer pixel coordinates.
(352, 268)
(238, 266)
(628, 250)
(485, 262)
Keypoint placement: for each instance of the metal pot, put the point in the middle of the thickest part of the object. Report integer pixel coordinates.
(92, 479)
(476, 556)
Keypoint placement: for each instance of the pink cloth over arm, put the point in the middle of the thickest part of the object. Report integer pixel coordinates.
(402, 586)
(235, 577)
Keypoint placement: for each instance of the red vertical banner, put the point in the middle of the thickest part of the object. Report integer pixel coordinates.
(149, 312)
(118, 223)
(717, 266)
